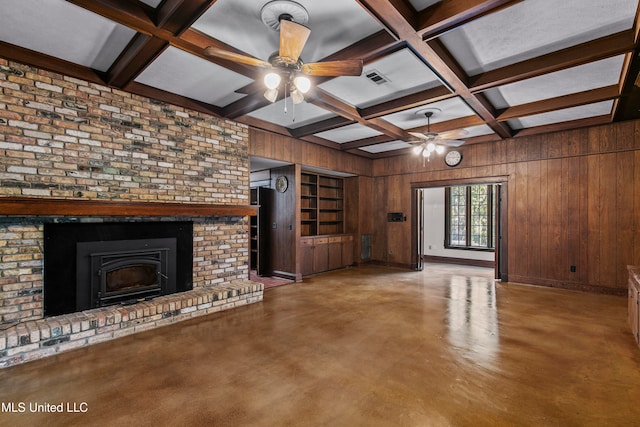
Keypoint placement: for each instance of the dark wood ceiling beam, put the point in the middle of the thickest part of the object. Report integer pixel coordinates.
(361, 153)
(173, 17)
(262, 125)
(397, 24)
(244, 106)
(584, 53)
(177, 16)
(410, 101)
(194, 42)
(449, 125)
(46, 62)
(366, 142)
(387, 128)
(561, 102)
(321, 141)
(126, 13)
(446, 15)
(142, 50)
(172, 98)
(321, 126)
(368, 49)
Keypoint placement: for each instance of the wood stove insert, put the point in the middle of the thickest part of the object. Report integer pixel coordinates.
(89, 265)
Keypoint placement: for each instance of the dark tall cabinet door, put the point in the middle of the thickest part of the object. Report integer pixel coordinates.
(261, 231)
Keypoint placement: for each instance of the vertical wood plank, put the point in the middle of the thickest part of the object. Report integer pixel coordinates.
(593, 219)
(534, 202)
(608, 228)
(625, 220)
(519, 234)
(582, 184)
(555, 261)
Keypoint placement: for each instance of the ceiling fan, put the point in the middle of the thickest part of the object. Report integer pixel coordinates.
(433, 141)
(286, 64)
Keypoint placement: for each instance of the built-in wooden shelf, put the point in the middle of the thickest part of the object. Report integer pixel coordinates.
(31, 206)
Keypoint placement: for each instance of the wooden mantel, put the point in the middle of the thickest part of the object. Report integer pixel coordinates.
(31, 206)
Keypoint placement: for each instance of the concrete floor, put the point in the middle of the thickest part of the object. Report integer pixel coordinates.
(358, 347)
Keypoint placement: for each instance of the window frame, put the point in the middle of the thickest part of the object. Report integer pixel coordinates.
(491, 189)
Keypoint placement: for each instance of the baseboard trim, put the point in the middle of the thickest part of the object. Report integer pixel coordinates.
(459, 261)
(569, 286)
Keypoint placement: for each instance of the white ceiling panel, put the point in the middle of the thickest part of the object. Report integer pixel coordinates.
(348, 133)
(404, 72)
(387, 146)
(152, 3)
(568, 114)
(61, 29)
(535, 27)
(572, 80)
(179, 72)
(295, 116)
(421, 5)
(474, 131)
(334, 24)
(449, 109)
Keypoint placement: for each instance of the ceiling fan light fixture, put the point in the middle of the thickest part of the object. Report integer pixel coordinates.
(426, 153)
(296, 96)
(417, 149)
(272, 80)
(431, 147)
(302, 83)
(271, 94)
(440, 149)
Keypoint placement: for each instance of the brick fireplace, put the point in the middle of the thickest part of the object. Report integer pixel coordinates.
(77, 152)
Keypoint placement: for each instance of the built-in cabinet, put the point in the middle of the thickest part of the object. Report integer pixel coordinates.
(323, 245)
(324, 253)
(321, 204)
(634, 300)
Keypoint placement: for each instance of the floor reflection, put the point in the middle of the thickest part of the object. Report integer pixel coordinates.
(473, 319)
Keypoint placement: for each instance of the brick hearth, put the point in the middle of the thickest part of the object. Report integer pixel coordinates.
(41, 338)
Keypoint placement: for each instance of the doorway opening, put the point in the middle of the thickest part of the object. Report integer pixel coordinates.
(461, 222)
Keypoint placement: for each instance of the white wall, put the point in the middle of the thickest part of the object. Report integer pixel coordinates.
(434, 230)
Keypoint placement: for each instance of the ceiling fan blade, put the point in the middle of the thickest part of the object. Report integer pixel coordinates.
(451, 142)
(235, 57)
(293, 37)
(453, 134)
(349, 67)
(418, 135)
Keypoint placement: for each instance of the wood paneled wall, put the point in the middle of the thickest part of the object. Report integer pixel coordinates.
(278, 147)
(574, 199)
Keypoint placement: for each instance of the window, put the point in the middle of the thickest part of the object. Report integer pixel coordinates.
(470, 217)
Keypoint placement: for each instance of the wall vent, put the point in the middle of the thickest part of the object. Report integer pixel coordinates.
(365, 247)
(377, 77)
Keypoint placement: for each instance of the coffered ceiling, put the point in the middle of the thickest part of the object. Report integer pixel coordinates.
(495, 68)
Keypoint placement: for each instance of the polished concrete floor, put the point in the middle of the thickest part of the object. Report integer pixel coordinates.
(358, 347)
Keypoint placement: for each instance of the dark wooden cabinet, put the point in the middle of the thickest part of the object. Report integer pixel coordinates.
(335, 252)
(347, 250)
(324, 253)
(634, 300)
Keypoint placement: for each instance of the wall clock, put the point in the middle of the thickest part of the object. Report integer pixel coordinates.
(453, 158)
(282, 184)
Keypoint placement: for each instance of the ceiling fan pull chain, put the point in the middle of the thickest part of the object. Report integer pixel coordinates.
(285, 99)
